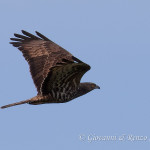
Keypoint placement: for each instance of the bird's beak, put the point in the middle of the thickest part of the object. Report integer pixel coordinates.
(97, 87)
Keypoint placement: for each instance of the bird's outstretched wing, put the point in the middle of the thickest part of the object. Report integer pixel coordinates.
(42, 54)
(62, 81)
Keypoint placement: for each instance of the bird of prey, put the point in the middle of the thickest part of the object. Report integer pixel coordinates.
(56, 72)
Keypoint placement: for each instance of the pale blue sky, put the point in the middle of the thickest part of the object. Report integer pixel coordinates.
(113, 36)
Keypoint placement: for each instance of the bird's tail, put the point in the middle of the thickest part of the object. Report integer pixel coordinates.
(17, 103)
(39, 99)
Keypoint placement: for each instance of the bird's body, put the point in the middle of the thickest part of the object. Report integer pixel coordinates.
(56, 73)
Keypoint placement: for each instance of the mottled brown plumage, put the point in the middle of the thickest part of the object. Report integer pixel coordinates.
(56, 73)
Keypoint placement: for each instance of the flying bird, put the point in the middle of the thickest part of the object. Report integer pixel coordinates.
(56, 72)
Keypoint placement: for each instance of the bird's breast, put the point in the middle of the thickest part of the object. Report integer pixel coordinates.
(63, 96)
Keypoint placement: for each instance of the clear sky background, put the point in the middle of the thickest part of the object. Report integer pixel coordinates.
(113, 36)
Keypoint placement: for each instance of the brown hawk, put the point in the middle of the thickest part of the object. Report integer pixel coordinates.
(56, 73)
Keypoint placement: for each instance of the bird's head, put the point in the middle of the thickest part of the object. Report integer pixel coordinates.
(89, 86)
(85, 88)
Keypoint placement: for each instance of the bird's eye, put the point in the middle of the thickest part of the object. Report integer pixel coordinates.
(93, 86)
